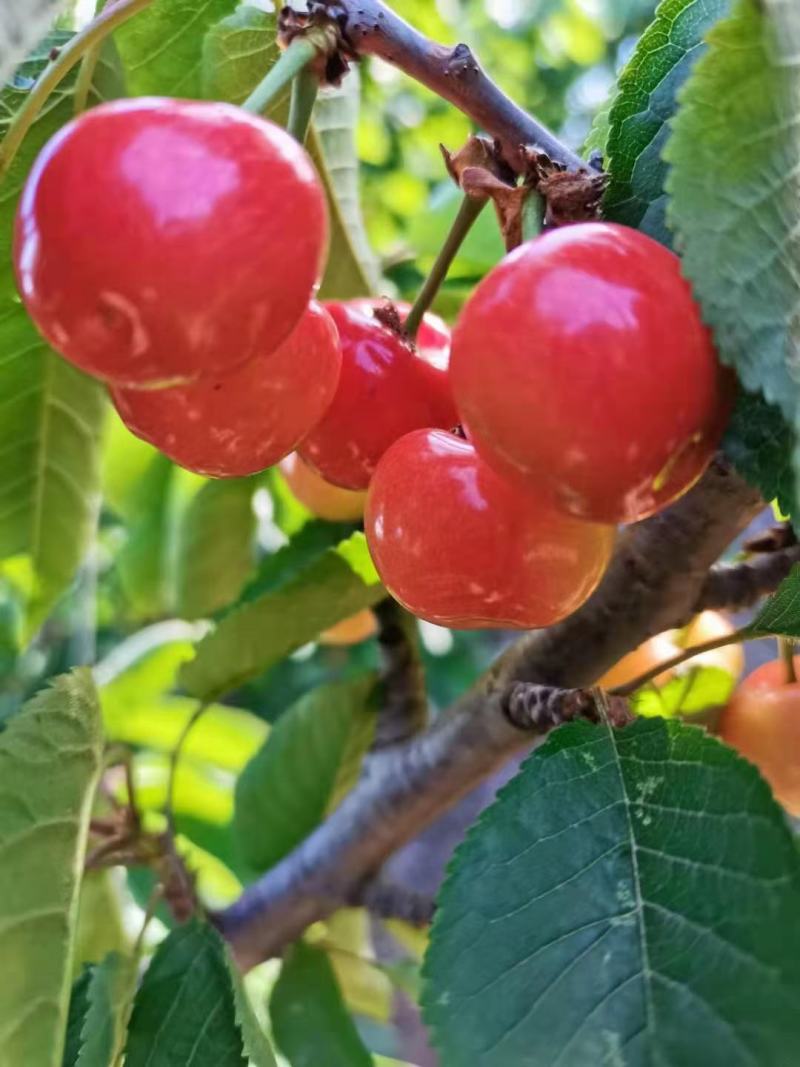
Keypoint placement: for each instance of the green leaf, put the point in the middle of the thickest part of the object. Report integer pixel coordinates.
(310, 1022)
(286, 789)
(162, 47)
(274, 619)
(109, 996)
(630, 898)
(735, 188)
(643, 107)
(256, 1046)
(50, 760)
(760, 445)
(51, 415)
(185, 1012)
(140, 562)
(216, 542)
(78, 1005)
(692, 691)
(781, 613)
(237, 53)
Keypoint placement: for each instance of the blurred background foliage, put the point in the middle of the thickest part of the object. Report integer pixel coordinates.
(163, 531)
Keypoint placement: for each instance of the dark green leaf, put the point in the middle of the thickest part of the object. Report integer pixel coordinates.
(735, 188)
(781, 613)
(50, 760)
(268, 626)
(216, 542)
(184, 1014)
(760, 444)
(312, 1027)
(630, 898)
(643, 108)
(690, 692)
(78, 1005)
(286, 789)
(109, 998)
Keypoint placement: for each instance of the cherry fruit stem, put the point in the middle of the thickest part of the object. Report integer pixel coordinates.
(304, 95)
(685, 654)
(69, 56)
(787, 649)
(169, 807)
(292, 62)
(471, 207)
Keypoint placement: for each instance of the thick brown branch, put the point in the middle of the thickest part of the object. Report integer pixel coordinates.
(372, 28)
(387, 900)
(404, 701)
(652, 584)
(740, 585)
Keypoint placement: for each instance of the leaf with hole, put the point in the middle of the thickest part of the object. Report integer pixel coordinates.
(631, 897)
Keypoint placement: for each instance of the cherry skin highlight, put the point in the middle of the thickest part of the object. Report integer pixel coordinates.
(459, 546)
(243, 422)
(322, 499)
(160, 240)
(581, 368)
(386, 390)
(762, 721)
(433, 337)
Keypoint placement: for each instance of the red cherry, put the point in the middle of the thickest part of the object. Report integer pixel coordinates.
(386, 390)
(581, 366)
(433, 337)
(459, 546)
(158, 240)
(243, 422)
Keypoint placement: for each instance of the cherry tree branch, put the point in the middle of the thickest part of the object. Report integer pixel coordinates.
(370, 28)
(404, 707)
(740, 585)
(388, 900)
(654, 581)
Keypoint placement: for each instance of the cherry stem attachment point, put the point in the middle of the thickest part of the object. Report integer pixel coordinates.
(304, 95)
(471, 207)
(735, 638)
(292, 61)
(786, 646)
(82, 44)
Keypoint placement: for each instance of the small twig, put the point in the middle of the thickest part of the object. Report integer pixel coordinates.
(404, 708)
(740, 585)
(468, 212)
(745, 634)
(175, 755)
(388, 900)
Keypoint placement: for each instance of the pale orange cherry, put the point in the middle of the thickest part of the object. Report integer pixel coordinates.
(322, 499)
(351, 631)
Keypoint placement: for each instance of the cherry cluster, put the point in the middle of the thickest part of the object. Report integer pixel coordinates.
(173, 250)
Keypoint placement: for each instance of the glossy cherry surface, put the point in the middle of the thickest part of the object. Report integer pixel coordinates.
(158, 240)
(433, 337)
(762, 721)
(459, 546)
(580, 366)
(245, 421)
(386, 389)
(322, 499)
